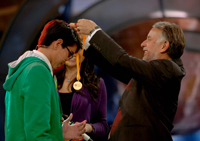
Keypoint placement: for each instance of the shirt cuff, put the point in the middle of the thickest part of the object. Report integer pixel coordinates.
(87, 43)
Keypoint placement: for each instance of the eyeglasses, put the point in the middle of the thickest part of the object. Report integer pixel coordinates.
(70, 56)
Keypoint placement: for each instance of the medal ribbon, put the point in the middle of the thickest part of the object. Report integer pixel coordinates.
(78, 64)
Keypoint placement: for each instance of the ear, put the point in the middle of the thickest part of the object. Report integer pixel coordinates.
(165, 46)
(58, 43)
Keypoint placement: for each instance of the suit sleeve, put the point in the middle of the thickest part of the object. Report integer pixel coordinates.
(124, 66)
(104, 64)
(101, 128)
(37, 103)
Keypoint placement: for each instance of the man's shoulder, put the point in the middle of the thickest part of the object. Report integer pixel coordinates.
(37, 66)
(173, 67)
(34, 62)
(163, 63)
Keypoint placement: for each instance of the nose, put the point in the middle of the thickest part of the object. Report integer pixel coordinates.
(143, 43)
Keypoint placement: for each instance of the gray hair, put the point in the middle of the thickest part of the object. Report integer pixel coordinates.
(174, 35)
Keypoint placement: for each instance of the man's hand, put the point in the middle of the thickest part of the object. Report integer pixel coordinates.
(73, 131)
(84, 26)
(74, 27)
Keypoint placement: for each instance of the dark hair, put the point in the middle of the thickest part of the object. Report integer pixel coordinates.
(58, 29)
(174, 34)
(89, 79)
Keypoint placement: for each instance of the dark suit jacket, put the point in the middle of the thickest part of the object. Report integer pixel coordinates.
(149, 103)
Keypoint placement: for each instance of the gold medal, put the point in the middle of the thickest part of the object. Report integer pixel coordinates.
(77, 85)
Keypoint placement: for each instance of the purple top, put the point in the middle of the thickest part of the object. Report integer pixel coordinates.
(84, 107)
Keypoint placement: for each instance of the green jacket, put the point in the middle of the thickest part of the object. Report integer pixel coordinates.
(32, 103)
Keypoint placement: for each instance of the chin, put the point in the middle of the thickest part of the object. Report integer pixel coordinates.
(145, 59)
(71, 65)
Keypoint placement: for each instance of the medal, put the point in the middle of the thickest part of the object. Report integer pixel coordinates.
(78, 85)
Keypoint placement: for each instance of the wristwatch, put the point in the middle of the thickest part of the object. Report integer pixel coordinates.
(96, 27)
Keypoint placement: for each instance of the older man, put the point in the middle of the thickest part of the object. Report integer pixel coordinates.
(149, 103)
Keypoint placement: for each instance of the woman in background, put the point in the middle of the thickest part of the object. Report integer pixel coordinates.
(90, 102)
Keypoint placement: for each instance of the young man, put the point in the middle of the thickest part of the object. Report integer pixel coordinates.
(32, 103)
(149, 103)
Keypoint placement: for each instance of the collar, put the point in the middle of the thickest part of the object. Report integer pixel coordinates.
(46, 60)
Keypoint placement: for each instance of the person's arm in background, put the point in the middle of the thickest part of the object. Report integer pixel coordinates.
(101, 127)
